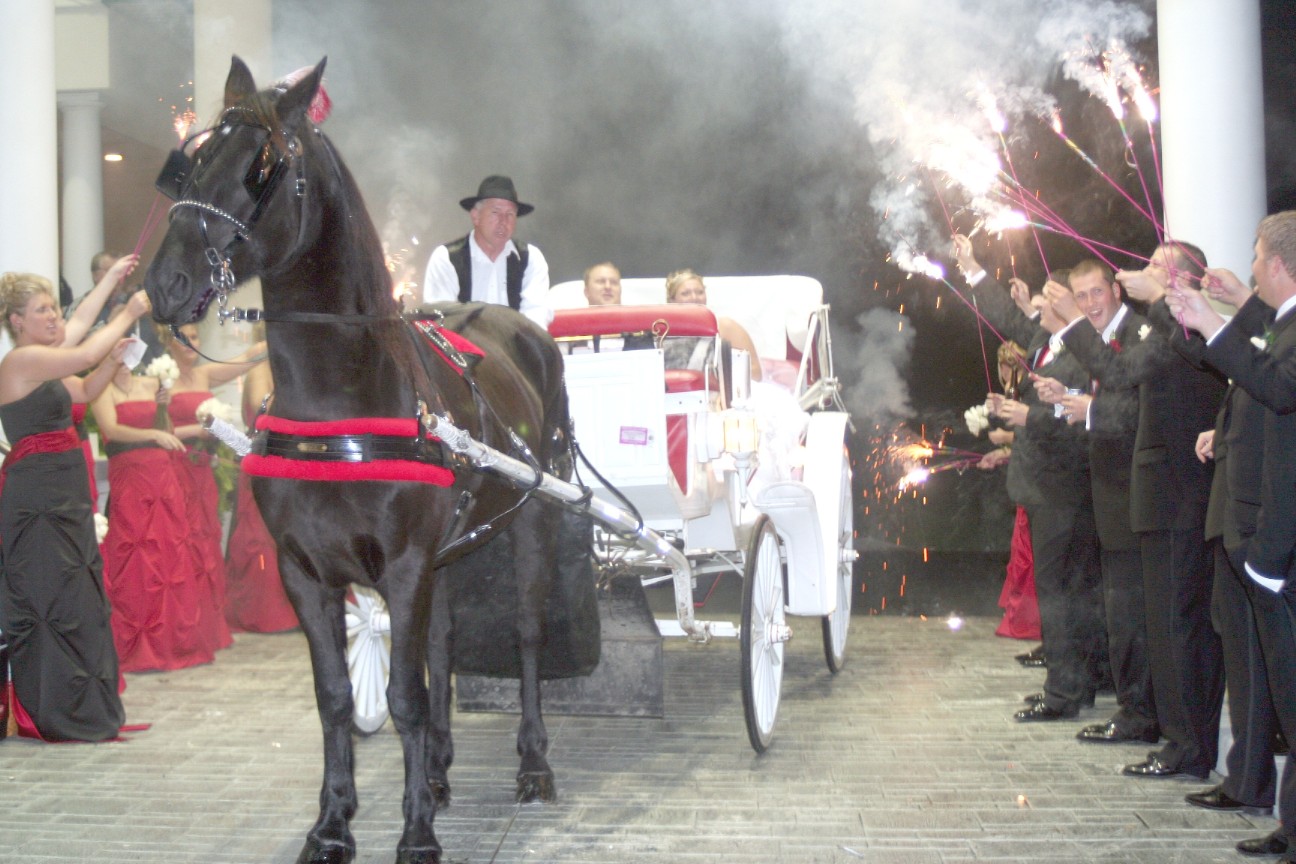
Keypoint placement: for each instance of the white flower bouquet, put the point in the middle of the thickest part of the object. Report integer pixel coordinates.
(164, 369)
(215, 409)
(977, 418)
(101, 527)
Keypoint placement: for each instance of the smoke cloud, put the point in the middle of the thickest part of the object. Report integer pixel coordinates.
(733, 137)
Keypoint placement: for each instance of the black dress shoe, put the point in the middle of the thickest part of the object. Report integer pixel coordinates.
(1040, 713)
(1152, 767)
(1270, 844)
(1215, 798)
(1033, 659)
(1036, 698)
(1110, 733)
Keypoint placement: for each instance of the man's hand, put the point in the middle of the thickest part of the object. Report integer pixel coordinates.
(1012, 412)
(963, 256)
(1050, 390)
(1000, 437)
(1224, 287)
(1192, 310)
(995, 458)
(1075, 407)
(1141, 285)
(1062, 301)
(1205, 447)
(1020, 293)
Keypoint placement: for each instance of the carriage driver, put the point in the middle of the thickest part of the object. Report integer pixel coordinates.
(488, 265)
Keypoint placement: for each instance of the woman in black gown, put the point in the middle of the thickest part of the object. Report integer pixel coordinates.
(53, 609)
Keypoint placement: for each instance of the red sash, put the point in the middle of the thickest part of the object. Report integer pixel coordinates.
(42, 442)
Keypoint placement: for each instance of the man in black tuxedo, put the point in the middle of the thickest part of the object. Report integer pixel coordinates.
(1048, 474)
(1169, 490)
(1110, 414)
(1260, 358)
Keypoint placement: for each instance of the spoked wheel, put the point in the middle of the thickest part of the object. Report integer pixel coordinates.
(368, 657)
(763, 632)
(837, 622)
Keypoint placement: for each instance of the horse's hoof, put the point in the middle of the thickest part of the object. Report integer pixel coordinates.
(418, 856)
(536, 786)
(313, 853)
(440, 794)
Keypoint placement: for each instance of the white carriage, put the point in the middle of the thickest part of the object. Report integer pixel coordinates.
(700, 470)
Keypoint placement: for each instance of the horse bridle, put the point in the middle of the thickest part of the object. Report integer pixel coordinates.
(175, 175)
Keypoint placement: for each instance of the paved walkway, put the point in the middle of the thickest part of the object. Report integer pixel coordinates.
(908, 757)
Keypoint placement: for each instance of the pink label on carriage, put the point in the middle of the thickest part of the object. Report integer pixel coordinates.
(634, 435)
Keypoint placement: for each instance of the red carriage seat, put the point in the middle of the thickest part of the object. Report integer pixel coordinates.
(666, 320)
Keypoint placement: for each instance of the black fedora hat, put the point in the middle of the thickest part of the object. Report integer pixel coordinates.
(496, 186)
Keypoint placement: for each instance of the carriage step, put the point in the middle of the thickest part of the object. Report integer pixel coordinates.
(626, 683)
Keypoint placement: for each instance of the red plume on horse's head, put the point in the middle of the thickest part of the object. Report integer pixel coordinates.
(321, 105)
(302, 96)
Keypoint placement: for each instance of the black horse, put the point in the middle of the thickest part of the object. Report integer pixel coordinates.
(266, 195)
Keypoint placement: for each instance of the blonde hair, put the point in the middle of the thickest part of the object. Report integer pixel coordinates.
(17, 290)
(1010, 352)
(675, 280)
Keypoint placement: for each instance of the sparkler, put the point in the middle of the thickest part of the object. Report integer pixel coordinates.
(999, 124)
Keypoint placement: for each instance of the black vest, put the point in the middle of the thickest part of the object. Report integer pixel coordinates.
(515, 266)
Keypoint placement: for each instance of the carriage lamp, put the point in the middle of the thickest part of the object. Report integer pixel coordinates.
(741, 435)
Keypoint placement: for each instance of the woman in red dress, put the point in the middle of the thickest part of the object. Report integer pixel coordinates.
(255, 600)
(191, 388)
(1017, 598)
(154, 574)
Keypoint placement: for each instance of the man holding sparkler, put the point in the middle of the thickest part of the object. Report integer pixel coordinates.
(1258, 352)
(1169, 488)
(1049, 475)
(487, 265)
(1110, 414)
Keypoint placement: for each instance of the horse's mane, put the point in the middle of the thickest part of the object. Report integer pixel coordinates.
(369, 273)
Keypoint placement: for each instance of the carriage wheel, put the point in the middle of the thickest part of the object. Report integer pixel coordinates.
(368, 657)
(763, 632)
(837, 622)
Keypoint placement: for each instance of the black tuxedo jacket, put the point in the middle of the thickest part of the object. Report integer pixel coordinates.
(1268, 375)
(1239, 434)
(1049, 462)
(1113, 422)
(1177, 400)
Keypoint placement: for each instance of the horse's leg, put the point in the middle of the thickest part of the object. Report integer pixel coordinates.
(408, 600)
(439, 646)
(534, 532)
(321, 612)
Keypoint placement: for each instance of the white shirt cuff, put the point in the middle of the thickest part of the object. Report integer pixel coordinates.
(1273, 585)
(974, 278)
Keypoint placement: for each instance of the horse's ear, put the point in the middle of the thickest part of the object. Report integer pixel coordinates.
(239, 83)
(297, 98)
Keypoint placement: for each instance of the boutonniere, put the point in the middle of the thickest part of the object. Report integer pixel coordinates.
(1144, 331)
(1260, 343)
(1115, 345)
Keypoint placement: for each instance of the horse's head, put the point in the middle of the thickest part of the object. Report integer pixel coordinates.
(240, 196)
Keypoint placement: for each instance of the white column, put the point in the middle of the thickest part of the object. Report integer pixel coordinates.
(28, 139)
(28, 143)
(83, 202)
(223, 28)
(1212, 126)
